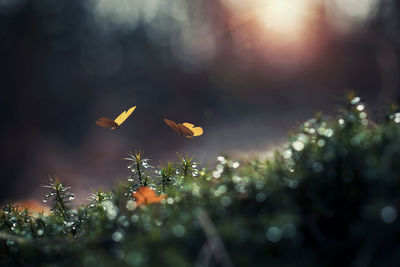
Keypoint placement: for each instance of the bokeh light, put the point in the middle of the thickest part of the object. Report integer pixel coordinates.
(288, 20)
(348, 14)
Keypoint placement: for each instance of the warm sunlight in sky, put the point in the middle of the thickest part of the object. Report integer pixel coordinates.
(285, 19)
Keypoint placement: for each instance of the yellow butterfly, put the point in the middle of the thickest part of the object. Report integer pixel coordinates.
(115, 124)
(184, 129)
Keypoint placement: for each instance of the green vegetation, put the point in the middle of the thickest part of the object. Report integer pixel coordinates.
(330, 197)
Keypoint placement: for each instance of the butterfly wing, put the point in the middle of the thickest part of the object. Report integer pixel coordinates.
(105, 122)
(188, 125)
(196, 130)
(124, 115)
(185, 130)
(173, 125)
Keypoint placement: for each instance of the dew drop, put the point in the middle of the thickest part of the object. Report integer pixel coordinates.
(135, 218)
(117, 236)
(274, 234)
(321, 142)
(287, 154)
(328, 132)
(360, 107)
(389, 214)
(131, 205)
(355, 100)
(235, 165)
(178, 230)
(225, 201)
(397, 118)
(236, 179)
(221, 159)
(317, 167)
(216, 174)
(298, 145)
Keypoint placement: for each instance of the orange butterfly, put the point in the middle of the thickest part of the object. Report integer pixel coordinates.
(145, 196)
(115, 124)
(184, 129)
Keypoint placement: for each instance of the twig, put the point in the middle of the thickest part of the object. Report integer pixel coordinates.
(214, 240)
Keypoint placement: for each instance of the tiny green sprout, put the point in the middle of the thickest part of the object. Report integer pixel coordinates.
(187, 165)
(97, 197)
(59, 195)
(9, 215)
(167, 173)
(140, 171)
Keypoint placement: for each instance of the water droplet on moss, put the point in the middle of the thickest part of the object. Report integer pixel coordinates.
(321, 142)
(317, 167)
(135, 218)
(360, 107)
(260, 197)
(274, 234)
(236, 179)
(298, 145)
(389, 214)
(178, 230)
(117, 236)
(355, 100)
(225, 201)
(216, 174)
(235, 165)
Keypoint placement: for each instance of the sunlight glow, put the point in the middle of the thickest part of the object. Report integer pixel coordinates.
(349, 14)
(360, 9)
(288, 17)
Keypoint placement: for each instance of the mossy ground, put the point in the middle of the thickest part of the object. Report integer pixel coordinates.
(330, 197)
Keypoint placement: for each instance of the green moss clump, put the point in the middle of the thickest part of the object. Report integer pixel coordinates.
(330, 197)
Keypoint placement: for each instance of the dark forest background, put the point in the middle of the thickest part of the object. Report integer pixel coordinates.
(63, 64)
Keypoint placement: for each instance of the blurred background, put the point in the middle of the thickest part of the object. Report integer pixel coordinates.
(246, 71)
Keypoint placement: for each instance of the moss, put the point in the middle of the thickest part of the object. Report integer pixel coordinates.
(330, 197)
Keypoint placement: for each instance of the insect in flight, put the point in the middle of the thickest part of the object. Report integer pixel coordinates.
(115, 124)
(184, 129)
